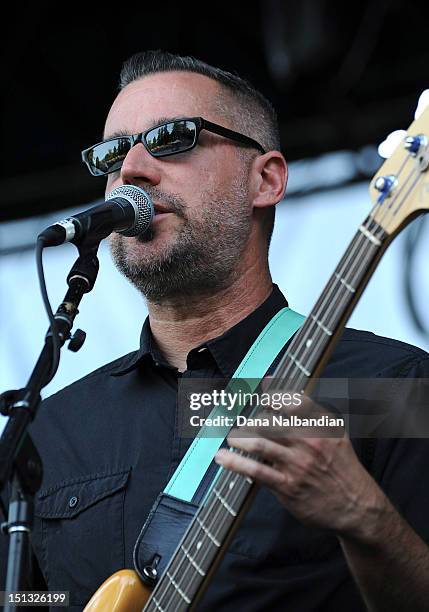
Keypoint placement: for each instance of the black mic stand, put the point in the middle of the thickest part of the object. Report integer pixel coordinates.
(20, 462)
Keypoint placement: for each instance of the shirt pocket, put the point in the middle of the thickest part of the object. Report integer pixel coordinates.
(79, 532)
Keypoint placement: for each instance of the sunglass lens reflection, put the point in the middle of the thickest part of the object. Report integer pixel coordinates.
(109, 156)
(171, 138)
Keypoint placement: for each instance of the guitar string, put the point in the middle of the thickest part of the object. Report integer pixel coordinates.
(370, 218)
(198, 534)
(304, 352)
(212, 512)
(313, 332)
(403, 164)
(310, 340)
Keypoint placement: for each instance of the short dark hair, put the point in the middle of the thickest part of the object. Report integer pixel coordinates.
(252, 114)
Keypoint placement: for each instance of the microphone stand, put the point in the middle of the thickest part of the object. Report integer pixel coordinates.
(20, 463)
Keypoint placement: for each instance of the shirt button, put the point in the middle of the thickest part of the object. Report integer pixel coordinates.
(73, 501)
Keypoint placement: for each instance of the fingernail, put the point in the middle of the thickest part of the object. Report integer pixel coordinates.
(218, 458)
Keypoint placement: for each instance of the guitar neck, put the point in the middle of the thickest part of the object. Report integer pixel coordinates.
(312, 346)
(216, 521)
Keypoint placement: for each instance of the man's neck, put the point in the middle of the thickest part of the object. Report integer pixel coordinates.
(182, 325)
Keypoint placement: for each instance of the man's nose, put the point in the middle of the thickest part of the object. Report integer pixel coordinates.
(140, 167)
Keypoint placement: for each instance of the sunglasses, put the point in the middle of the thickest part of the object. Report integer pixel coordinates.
(162, 140)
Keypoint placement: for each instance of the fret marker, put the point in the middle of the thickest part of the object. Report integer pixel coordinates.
(231, 484)
(309, 342)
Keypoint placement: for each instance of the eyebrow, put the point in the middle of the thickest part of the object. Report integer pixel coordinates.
(159, 121)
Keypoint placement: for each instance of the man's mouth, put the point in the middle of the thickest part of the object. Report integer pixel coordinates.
(160, 209)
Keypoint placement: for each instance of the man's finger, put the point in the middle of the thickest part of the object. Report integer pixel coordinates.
(257, 471)
(267, 449)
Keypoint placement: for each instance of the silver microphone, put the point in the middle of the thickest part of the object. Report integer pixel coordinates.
(127, 210)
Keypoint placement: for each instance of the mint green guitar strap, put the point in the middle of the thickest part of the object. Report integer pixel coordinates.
(189, 474)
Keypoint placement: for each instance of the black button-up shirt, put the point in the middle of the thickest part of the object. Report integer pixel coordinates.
(110, 442)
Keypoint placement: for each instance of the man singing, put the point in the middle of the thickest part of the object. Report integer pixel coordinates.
(329, 529)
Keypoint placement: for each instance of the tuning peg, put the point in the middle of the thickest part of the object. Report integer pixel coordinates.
(386, 184)
(413, 144)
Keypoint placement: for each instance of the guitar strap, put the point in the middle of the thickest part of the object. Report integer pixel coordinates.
(177, 504)
(190, 472)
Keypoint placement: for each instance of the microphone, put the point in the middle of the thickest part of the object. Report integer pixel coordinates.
(127, 210)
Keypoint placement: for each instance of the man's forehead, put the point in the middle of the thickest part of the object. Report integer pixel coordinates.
(159, 97)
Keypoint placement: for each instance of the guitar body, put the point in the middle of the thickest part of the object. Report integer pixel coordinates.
(122, 592)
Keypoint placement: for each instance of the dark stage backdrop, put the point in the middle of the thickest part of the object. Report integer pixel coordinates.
(340, 74)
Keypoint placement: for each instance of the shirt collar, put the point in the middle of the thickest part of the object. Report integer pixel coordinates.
(228, 350)
(148, 350)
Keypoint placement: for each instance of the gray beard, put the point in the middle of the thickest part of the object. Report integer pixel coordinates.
(202, 258)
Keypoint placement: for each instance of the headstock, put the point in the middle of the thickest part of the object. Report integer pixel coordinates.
(400, 189)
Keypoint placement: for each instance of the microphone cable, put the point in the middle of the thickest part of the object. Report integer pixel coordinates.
(56, 342)
(128, 209)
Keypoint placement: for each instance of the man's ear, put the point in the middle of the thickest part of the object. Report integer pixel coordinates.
(269, 179)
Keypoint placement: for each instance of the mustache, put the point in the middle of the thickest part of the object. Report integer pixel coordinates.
(173, 201)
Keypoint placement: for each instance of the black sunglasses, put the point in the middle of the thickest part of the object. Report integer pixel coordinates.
(169, 138)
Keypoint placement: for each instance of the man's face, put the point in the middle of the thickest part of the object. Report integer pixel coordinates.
(194, 247)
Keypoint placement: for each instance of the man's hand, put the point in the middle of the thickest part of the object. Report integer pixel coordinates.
(322, 483)
(318, 479)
